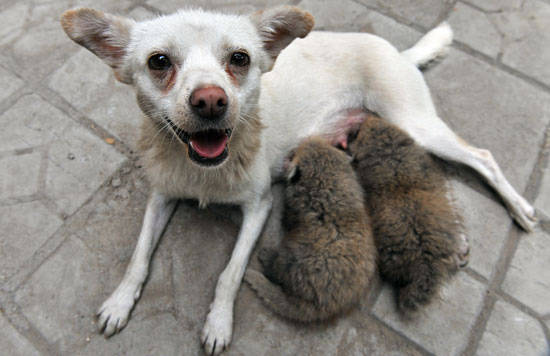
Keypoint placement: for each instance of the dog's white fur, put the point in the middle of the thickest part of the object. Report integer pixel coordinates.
(319, 85)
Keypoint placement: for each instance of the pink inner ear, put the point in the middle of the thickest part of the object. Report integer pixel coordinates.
(103, 34)
(276, 41)
(106, 49)
(280, 25)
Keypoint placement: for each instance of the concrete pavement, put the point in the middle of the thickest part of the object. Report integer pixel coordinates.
(72, 194)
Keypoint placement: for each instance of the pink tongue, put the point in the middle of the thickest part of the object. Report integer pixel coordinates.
(209, 144)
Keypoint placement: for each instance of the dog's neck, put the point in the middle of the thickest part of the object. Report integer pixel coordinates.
(167, 164)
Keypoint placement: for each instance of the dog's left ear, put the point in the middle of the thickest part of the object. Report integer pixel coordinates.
(281, 25)
(105, 35)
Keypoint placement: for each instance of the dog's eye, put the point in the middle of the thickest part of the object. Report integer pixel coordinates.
(159, 62)
(240, 59)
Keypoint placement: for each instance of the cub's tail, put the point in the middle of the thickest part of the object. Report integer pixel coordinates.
(432, 46)
(287, 306)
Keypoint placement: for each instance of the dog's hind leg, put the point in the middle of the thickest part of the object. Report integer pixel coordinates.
(113, 314)
(407, 103)
(216, 334)
(438, 139)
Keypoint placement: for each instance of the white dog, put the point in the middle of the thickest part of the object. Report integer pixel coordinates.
(217, 130)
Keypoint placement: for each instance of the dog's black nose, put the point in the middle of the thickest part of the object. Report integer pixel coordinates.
(209, 103)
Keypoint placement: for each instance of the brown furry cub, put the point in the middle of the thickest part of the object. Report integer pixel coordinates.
(327, 257)
(415, 227)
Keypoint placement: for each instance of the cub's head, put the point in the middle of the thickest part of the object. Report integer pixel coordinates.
(320, 183)
(196, 74)
(316, 165)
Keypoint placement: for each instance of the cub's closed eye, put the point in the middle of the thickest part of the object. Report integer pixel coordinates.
(240, 59)
(159, 61)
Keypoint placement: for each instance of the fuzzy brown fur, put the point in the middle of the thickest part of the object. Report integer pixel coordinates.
(415, 227)
(327, 258)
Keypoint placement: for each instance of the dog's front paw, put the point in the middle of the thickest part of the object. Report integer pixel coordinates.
(114, 312)
(216, 334)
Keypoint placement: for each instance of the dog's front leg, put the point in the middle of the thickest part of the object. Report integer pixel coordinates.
(216, 334)
(113, 314)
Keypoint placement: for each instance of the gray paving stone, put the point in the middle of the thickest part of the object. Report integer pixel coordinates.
(33, 52)
(512, 332)
(443, 326)
(158, 334)
(41, 11)
(238, 6)
(484, 105)
(71, 181)
(401, 36)
(201, 243)
(118, 7)
(473, 28)
(528, 31)
(19, 175)
(51, 10)
(89, 85)
(512, 24)
(496, 5)
(486, 223)
(62, 296)
(493, 110)
(10, 83)
(518, 115)
(344, 15)
(23, 125)
(425, 13)
(351, 16)
(110, 231)
(56, 299)
(529, 273)
(32, 122)
(260, 332)
(25, 227)
(140, 14)
(12, 343)
(12, 20)
(543, 198)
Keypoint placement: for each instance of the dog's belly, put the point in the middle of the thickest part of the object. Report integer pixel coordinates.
(325, 84)
(310, 92)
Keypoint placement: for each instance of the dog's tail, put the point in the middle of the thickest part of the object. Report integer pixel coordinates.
(432, 46)
(287, 306)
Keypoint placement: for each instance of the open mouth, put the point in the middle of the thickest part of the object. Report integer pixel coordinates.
(208, 147)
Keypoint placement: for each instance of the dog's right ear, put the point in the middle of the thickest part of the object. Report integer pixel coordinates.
(281, 25)
(105, 35)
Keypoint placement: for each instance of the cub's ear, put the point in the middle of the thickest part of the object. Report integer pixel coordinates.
(105, 35)
(293, 174)
(281, 25)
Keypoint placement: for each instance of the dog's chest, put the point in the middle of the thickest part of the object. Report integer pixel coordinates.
(171, 173)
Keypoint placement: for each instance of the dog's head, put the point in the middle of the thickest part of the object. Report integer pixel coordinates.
(197, 74)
